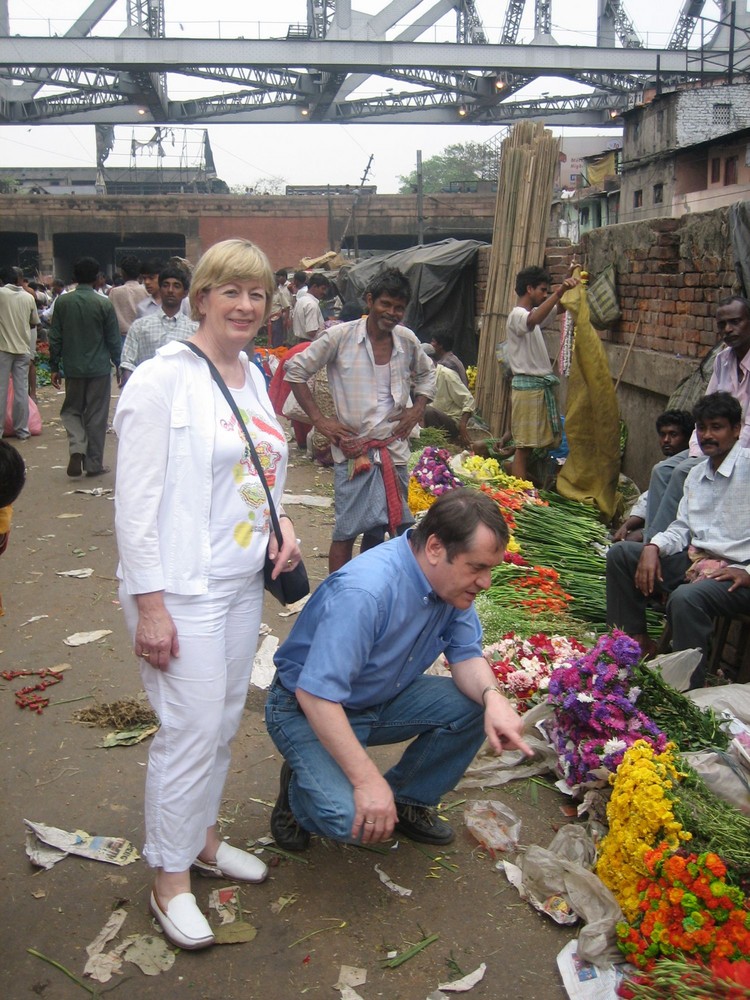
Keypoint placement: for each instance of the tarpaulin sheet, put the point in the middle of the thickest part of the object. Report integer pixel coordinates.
(442, 278)
(592, 421)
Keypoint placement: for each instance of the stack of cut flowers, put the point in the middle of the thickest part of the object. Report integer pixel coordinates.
(595, 717)
(523, 667)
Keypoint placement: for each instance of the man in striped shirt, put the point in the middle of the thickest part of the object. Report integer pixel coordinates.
(148, 333)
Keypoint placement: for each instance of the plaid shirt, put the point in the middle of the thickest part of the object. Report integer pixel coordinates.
(148, 333)
(346, 351)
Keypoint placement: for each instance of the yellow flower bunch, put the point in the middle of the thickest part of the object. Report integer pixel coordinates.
(418, 498)
(471, 376)
(476, 467)
(640, 817)
(513, 546)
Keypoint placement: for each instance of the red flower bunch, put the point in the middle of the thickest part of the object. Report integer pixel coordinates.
(686, 979)
(687, 907)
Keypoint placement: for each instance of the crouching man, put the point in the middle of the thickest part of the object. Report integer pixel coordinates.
(351, 676)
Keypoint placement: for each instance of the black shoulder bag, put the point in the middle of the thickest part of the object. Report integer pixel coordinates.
(290, 585)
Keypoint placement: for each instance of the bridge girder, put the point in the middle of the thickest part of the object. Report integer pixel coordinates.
(126, 79)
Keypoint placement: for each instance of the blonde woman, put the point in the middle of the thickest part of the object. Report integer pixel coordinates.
(193, 530)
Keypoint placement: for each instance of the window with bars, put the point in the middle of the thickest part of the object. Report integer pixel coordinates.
(722, 114)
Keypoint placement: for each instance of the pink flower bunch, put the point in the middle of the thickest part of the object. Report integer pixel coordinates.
(595, 716)
(433, 472)
(523, 667)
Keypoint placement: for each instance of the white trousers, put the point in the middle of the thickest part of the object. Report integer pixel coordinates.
(199, 700)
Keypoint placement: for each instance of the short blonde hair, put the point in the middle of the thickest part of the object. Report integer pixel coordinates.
(231, 260)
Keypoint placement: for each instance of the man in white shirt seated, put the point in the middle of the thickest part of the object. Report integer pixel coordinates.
(307, 319)
(701, 560)
(148, 333)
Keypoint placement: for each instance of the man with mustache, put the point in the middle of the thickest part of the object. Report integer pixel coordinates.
(674, 428)
(371, 364)
(731, 374)
(701, 560)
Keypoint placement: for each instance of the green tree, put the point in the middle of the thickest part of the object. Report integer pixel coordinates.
(463, 161)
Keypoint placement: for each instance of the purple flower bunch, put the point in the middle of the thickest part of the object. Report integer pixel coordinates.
(433, 471)
(595, 715)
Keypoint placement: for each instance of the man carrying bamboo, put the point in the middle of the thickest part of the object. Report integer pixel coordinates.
(535, 421)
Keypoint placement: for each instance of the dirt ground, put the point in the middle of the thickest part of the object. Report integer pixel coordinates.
(54, 773)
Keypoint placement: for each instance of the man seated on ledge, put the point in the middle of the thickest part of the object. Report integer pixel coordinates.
(701, 559)
(350, 676)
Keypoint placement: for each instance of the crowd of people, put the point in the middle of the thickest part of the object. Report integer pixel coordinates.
(193, 527)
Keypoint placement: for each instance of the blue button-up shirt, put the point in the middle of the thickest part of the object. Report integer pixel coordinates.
(372, 628)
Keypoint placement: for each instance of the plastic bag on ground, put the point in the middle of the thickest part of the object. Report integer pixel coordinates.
(493, 824)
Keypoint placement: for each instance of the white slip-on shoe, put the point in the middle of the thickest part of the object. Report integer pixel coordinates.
(233, 863)
(182, 922)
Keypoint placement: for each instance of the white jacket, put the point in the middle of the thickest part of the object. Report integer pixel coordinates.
(165, 422)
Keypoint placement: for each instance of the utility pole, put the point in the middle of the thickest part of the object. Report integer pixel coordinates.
(357, 196)
(420, 200)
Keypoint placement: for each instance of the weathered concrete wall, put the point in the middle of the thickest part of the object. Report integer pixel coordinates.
(288, 228)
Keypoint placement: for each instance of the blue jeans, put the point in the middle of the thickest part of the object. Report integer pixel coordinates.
(449, 730)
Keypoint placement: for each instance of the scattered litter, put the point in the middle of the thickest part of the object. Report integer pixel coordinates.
(493, 824)
(226, 903)
(46, 845)
(393, 886)
(28, 697)
(232, 928)
(99, 966)
(466, 983)
(396, 960)
(39, 894)
(150, 953)
(349, 977)
(78, 574)
(294, 609)
(584, 981)
(62, 517)
(305, 501)
(127, 737)
(264, 629)
(547, 874)
(337, 926)
(100, 491)
(263, 665)
(36, 618)
(284, 901)
(45, 538)
(125, 714)
(81, 638)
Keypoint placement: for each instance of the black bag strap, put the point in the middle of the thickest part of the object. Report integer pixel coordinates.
(253, 453)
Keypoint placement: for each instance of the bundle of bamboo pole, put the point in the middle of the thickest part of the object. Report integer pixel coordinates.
(528, 161)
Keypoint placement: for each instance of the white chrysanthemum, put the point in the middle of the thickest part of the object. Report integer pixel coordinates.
(614, 746)
(584, 696)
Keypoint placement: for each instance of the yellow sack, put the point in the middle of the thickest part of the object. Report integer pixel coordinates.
(592, 421)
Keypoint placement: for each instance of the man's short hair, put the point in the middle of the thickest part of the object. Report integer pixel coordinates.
(8, 275)
(231, 260)
(281, 273)
(676, 418)
(727, 300)
(300, 278)
(390, 282)
(444, 339)
(12, 473)
(532, 277)
(152, 265)
(85, 270)
(318, 280)
(130, 267)
(718, 405)
(176, 274)
(454, 518)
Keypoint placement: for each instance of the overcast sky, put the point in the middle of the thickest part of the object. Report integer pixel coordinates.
(305, 153)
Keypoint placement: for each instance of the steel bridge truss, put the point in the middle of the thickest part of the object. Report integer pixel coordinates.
(317, 73)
